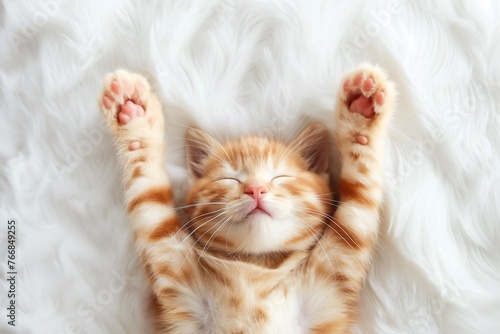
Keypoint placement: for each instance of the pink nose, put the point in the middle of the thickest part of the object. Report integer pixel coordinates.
(256, 191)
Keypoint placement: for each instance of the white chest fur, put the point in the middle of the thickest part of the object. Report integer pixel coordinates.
(293, 306)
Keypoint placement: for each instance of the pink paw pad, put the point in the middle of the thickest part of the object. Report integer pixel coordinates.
(368, 84)
(357, 79)
(107, 102)
(379, 98)
(135, 145)
(115, 87)
(363, 140)
(125, 112)
(362, 95)
(129, 111)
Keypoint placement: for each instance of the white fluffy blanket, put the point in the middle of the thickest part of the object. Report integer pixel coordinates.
(236, 67)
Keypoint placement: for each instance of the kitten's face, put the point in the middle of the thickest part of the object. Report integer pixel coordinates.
(256, 195)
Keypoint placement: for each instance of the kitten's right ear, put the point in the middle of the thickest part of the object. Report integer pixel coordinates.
(198, 145)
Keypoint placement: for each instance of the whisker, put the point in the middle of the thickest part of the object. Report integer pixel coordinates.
(332, 219)
(299, 144)
(318, 240)
(194, 243)
(288, 150)
(185, 225)
(211, 150)
(210, 240)
(182, 207)
(338, 204)
(227, 233)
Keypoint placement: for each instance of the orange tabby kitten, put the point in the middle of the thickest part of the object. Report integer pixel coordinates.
(260, 251)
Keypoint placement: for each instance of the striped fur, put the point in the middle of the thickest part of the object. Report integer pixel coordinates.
(292, 268)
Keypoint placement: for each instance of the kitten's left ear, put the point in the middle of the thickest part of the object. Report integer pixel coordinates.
(313, 145)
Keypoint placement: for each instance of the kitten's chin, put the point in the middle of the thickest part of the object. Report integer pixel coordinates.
(260, 233)
(257, 217)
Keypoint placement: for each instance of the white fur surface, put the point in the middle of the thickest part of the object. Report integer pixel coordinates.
(235, 67)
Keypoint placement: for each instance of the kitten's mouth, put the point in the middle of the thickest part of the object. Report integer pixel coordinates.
(258, 210)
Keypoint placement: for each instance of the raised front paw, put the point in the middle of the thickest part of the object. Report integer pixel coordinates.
(132, 112)
(365, 101)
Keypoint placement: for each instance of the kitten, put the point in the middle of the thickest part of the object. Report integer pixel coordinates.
(260, 251)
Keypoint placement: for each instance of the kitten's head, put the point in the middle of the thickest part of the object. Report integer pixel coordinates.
(256, 195)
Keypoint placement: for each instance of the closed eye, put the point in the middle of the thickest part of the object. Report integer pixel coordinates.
(280, 177)
(228, 179)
